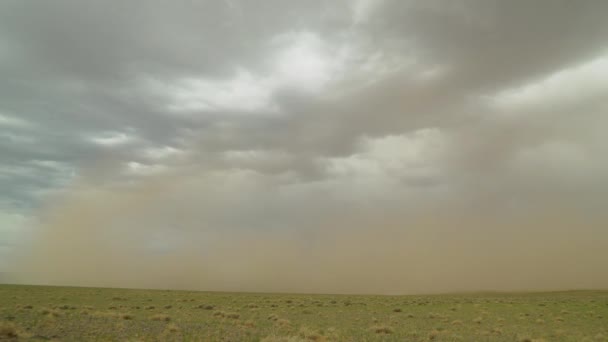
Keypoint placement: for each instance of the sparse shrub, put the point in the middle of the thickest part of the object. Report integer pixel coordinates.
(233, 315)
(310, 334)
(172, 328)
(478, 320)
(382, 329)
(433, 334)
(219, 314)
(126, 316)
(8, 331)
(273, 317)
(168, 306)
(497, 331)
(457, 322)
(397, 310)
(161, 317)
(283, 322)
(273, 338)
(151, 307)
(50, 312)
(249, 324)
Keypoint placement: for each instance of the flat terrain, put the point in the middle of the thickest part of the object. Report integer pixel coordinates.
(96, 314)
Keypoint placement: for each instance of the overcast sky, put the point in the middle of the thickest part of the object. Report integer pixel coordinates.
(160, 127)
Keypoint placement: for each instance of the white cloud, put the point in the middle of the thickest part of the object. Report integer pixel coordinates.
(111, 139)
(139, 169)
(408, 156)
(52, 165)
(563, 88)
(256, 157)
(245, 92)
(302, 60)
(157, 153)
(13, 122)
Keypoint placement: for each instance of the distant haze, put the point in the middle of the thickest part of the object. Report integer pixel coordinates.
(361, 146)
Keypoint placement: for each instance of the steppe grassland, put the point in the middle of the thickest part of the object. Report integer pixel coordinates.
(85, 314)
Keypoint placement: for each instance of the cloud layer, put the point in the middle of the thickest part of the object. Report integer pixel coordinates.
(344, 146)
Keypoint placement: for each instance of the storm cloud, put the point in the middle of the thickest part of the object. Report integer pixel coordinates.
(342, 146)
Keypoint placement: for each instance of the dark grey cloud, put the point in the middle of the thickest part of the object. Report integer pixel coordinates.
(294, 117)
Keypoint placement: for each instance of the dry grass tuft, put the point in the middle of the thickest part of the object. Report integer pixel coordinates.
(382, 329)
(161, 317)
(233, 315)
(249, 324)
(8, 331)
(497, 331)
(126, 316)
(283, 322)
(172, 328)
(529, 339)
(282, 339)
(310, 334)
(50, 312)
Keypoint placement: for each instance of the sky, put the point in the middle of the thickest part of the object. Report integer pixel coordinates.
(363, 146)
